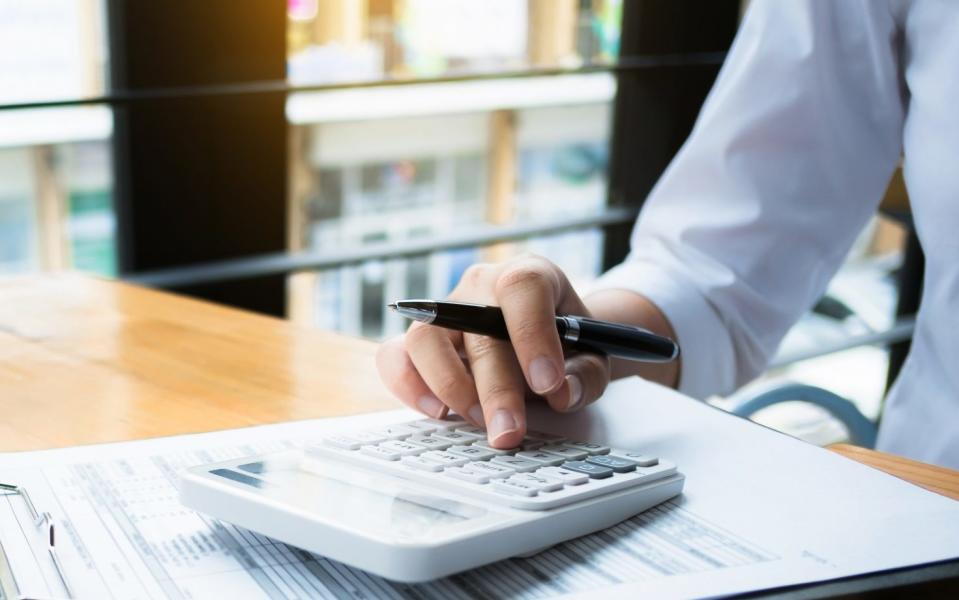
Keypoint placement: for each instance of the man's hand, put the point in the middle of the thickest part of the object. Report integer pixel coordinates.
(486, 380)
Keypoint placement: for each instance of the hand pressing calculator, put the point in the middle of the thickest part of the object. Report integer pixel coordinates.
(424, 499)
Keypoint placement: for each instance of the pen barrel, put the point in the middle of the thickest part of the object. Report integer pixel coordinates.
(472, 318)
(622, 341)
(578, 333)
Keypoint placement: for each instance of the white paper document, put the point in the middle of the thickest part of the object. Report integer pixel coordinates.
(759, 510)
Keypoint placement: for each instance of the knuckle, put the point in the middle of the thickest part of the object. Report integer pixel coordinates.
(521, 277)
(499, 392)
(481, 346)
(474, 275)
(447, 388)
(529, 331)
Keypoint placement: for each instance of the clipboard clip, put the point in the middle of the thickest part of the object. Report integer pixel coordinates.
(43, 521)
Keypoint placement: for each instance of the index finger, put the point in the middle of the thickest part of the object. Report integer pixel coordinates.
(527, 293)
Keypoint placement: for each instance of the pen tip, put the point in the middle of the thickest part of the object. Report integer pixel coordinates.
(392, 305)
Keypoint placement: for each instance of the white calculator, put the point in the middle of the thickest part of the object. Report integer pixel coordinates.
(428, 498)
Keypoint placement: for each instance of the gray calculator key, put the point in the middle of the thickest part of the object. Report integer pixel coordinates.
(517, 464)
(541, 457)
(591, 448)
(493, 471)
(620, 465)
(454, 437)
(381, 452)
(471, 452)
(429, 442)
(418, 462)
(445, 458)
(471, 430)
(567, 477)
(468, 473)
(402, 448)
(496, 451)
(543, 483)
(529, 443)
(641, 460)
(514, 487)
(594, 471)
(549, 438)
(566, 452)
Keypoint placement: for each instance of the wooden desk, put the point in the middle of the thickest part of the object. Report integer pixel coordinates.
(84, 360)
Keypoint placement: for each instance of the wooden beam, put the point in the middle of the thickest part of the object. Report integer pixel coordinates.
(341, 21)
(501, 165)
(51, 206)
(552, 32)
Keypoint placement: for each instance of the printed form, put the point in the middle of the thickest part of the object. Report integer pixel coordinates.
(122, 533)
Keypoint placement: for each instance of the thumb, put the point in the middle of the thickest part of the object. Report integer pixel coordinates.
(586, 378)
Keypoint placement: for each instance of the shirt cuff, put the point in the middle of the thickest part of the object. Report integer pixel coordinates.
(706, 349)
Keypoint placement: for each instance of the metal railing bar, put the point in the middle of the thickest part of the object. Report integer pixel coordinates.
(900, 331)
(286, 263)
(122, 97)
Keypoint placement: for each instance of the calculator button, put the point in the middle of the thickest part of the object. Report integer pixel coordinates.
(617, 464)
(418, 462)
(397, 432)
(591, 448)
(367, 437)
(641, 460)
(402, 448)
(514, 487)
(548, 438)
(567, 477)
(566, 452)
(444, 458)
(428, 441)
(438, 424)
(541, 482)
(544, 458)
(468, 473)
(529, 443)
(518, 464)
(454, 437)
(594, 471)
(341, 441)
(421, 427)
(497, 451)
(381, 452)
(471, 452)
(493, 471)
(475, 432)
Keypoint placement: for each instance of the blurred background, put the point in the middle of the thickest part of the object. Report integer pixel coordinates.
(315, 159)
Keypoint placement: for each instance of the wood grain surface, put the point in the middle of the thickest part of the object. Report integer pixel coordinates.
(85, 360)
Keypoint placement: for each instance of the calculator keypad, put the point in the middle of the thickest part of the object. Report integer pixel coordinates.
(546, 471)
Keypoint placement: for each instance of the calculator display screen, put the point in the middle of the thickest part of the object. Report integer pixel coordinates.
(357, 499)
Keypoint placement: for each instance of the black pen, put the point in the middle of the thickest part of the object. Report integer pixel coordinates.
(578, 333)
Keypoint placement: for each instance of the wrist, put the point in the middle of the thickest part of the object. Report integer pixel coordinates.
(623, 306)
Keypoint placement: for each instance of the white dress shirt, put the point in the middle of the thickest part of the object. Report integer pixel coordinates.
(788, 160)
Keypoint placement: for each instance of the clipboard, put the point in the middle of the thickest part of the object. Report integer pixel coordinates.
(10, 588)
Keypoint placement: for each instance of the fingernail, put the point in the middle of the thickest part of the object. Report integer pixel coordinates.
(475, 413)
(575, 392)
(501, 423)
(431, 406)
(543, 374)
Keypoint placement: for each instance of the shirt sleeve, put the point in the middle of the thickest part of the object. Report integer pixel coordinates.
(787, 161)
